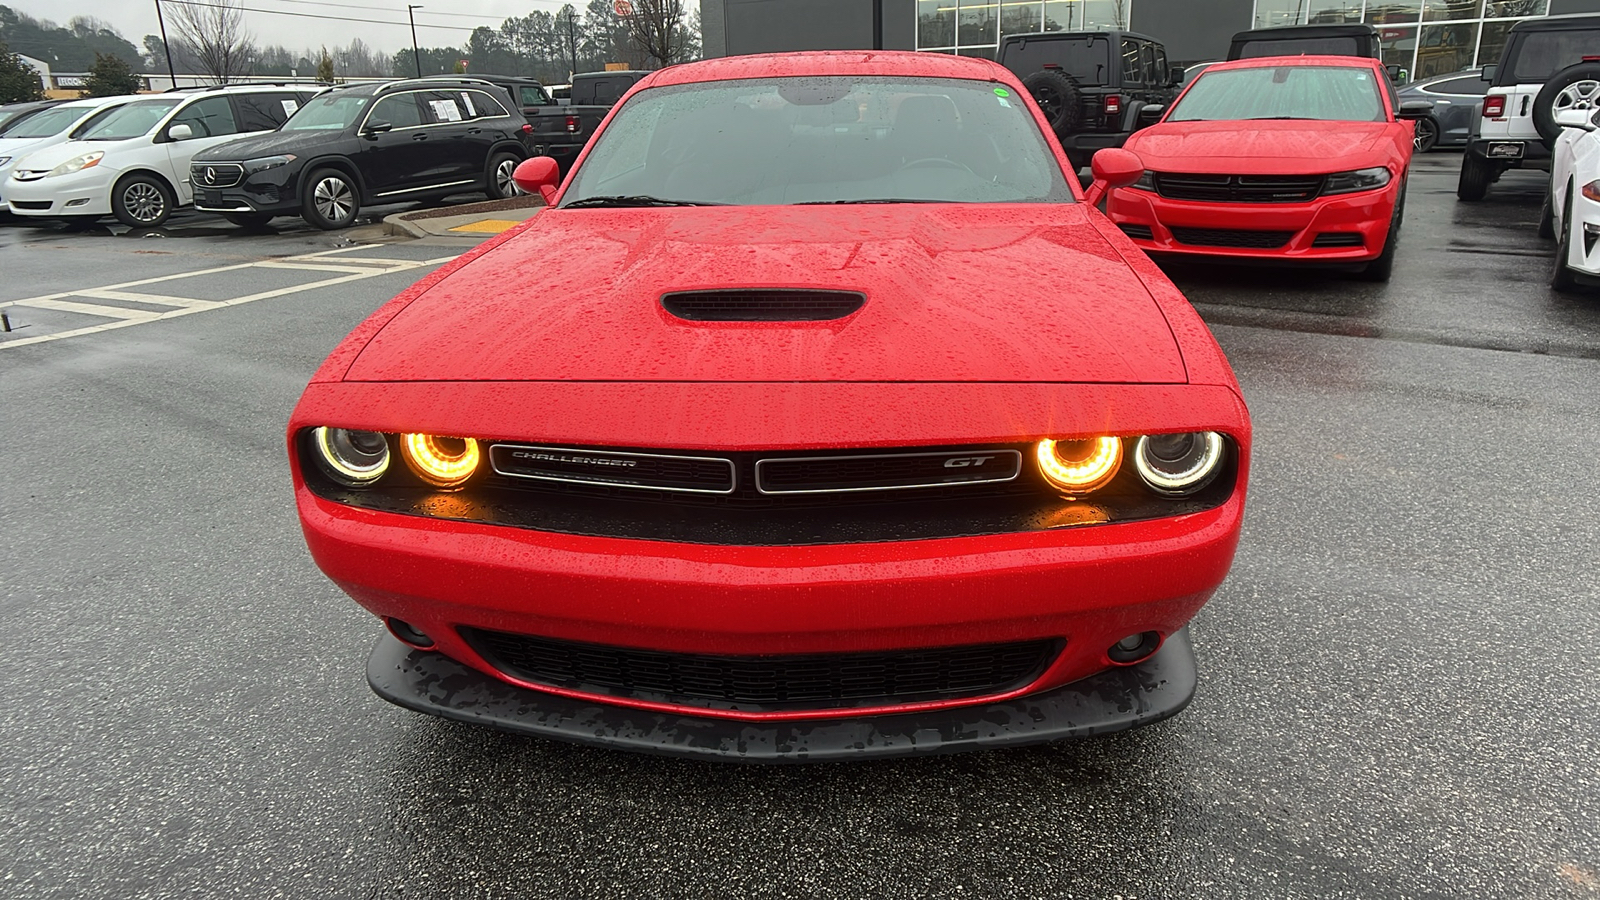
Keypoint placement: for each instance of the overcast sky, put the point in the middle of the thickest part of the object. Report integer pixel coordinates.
(441, 23)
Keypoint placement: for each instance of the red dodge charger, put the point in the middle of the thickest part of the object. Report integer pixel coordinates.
(1299, 158)
(819, 417)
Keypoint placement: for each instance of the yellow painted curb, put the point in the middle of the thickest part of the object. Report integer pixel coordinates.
(487, 226)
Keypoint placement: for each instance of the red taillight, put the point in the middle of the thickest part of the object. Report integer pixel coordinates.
(1113, 105)
(572, 124)
(1494, 106)
(526, 128)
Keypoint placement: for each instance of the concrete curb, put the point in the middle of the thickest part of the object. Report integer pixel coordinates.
(400, 225)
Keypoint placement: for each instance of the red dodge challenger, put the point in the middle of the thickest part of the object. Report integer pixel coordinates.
(1300, 158)
(819, 417)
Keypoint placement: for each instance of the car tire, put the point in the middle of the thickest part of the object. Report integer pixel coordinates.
(248, 220)
(1561, 275)
(1476, 176)
(501, 184)
(1381, 268)
(1059, 97)
(142, 201)
(1575, 87)
(331, 199)
(1427, 135)
(1547, 216)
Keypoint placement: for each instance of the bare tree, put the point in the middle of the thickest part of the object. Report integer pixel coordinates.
(657, 27)
(215, 32)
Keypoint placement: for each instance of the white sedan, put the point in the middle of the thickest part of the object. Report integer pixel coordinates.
(1572, 205)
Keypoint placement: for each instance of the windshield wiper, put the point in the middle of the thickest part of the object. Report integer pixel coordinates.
(873, 200)
(1281, 119)
(620, 200)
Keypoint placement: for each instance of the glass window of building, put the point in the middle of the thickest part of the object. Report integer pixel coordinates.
(975, 27)
(1021, 18)
(936, 24)
(1443, 49)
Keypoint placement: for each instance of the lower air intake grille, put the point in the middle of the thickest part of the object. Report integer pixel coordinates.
(1221, 237)
(1338, 239)
(1142, 232)
(762, 306)
(757, 683)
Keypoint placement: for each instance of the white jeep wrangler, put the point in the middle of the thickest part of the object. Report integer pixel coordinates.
(1549, 65)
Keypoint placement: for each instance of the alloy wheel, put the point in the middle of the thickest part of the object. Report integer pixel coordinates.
(1578, 95)
(333, 199)
(505, 178)
(144, 202)
(1427, 134)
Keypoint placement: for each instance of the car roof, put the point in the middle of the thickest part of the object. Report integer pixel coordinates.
(1559, 23)
(1292, 32)
(906, 63)
(1075, 35)
(101, 101)
(1265, 62)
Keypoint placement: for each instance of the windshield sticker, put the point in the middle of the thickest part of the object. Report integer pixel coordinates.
(289, 106)
(1004, 102)
(445, 110)
(1002, 93)
(467, 99)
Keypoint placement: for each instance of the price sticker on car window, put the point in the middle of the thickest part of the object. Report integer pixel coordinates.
(289, 107)
(445, 110)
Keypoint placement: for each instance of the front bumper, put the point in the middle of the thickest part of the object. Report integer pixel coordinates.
(1366, 214)
(1583, 255)
(1113, 700)
(83, 193)
(273, 191)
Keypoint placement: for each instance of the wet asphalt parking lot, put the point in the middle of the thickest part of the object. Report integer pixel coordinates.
(1399, 693)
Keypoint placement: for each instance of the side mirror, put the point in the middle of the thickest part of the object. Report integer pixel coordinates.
(376, 128)
(1150, 115)
(538, 175)
(1575, 118)
(1113, 167)
(180, 132)
(1415, 109)
(1488, 73)
(1176, 75)
(1394, 72)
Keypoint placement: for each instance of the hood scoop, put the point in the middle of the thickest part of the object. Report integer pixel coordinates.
(762, 305)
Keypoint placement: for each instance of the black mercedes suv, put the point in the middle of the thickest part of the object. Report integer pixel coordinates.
(368, 144)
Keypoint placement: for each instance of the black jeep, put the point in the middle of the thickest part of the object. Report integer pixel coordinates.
(1307, 40)
(1095, 87)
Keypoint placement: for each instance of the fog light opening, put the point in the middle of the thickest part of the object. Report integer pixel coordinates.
(408, 634)
(1135, 648)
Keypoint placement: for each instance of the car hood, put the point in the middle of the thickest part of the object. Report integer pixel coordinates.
(954, 293)
(269, 144)
(18, 146)
(50, 157)
(1267, 147)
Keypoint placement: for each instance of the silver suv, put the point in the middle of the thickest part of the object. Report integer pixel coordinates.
(1548, 65)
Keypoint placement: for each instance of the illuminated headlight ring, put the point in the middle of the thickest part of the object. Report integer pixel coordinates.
(1079, 467)
(1178, 465)
(352, 458)
(444, 462)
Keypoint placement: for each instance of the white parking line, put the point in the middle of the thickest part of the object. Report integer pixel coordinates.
(347, 269)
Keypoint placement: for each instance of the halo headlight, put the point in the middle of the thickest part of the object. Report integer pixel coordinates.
(1177, 465)
(1076, 468)
(352, 458)
(441, 461)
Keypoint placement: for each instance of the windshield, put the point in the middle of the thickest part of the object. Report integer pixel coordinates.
(48, 123)
(776, 141)
(333, 113)
(1334, 93)
(124, 122)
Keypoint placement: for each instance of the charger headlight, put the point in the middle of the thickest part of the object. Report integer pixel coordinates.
(441, 461)
(1359, 180)
(1079, 467)
(77, 163)
(352, 458)
(1146, 182)
(1177, 465)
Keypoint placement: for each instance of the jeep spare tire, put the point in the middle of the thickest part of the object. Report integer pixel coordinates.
(1059, 97)
(1575, 87)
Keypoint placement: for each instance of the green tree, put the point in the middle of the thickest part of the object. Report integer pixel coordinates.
(18, 80)
(459, 68)
(111, 76)
(325, 68)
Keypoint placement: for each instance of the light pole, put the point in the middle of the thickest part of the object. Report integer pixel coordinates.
(416, 55)
(164, 45)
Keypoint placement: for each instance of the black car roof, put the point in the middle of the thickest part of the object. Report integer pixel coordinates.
(1060, 35)
(1558, 23)
(1291, 32)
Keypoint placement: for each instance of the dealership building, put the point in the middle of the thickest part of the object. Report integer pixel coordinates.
(1424, 37)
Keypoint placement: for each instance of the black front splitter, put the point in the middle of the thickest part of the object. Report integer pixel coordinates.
(1113, 700)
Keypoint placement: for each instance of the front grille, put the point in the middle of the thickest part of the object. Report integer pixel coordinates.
(1224, 237)
(884, 471)
(1239, 188)
(215, 175)
(762, 306)
(1142, 232)
(1338, 239)
(765, 683)
(644, 471)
